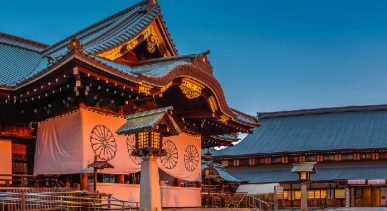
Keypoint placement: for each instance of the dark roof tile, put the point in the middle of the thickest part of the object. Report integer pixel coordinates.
(362, 129)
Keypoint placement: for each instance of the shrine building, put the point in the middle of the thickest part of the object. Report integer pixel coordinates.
(104, 99)
(349, 145)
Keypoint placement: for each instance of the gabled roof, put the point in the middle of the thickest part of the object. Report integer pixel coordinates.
(154, 71)
(18, 58)
(101, 165)
(111, 31)
(24, 61)
(22, 42)
(21, 58)
(344, 128)
(146, 120)
(222, 172)
(304, 167)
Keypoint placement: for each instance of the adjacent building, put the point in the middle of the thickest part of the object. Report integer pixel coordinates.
(349, 145)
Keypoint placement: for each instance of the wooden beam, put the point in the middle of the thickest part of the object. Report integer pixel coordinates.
(195, 115)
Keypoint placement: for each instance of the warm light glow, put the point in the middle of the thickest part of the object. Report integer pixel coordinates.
(304, 175)
(224, 118)
(151, 44)
(310, 194)
(149, 140)
(143, 140)
(164, 88)
(213, 104)
(297, 194)
(286, 194)
(117, 52)
(317, 194)
(339, 193)
(323, 194)
(155, 138)
(144, 88)
(190, 88)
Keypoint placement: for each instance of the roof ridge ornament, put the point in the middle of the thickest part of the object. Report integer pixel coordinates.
(201, 60)
(75, 44)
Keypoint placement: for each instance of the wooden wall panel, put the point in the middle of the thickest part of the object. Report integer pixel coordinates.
(5, 159)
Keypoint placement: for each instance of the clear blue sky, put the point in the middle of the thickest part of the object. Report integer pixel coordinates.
(268, 55)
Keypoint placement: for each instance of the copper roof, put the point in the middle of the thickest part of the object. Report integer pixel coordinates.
(328, 129)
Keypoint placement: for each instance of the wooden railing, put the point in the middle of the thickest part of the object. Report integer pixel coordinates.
(17, 131)
(221, 200)
(72, 200)
(22, 180)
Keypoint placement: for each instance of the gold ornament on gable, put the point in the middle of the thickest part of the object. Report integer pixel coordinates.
(191, 89)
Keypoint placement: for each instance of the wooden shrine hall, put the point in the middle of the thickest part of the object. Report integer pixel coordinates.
(63, 108)
(346, 144)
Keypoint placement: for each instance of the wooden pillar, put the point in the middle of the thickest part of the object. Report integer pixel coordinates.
(84, 182)
(95, 176)
(177, 182)
(347, 197)
(352, 197)
(121, 179)
(68, 181)
(291, 195)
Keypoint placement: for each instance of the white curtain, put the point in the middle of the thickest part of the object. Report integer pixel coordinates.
(183, 159)
(170, 196)
(68, 144)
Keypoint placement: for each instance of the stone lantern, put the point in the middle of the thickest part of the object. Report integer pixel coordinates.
(150, 127)
(304, 170)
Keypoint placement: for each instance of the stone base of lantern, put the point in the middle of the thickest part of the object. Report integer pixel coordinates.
(150, 197)
(304, 197)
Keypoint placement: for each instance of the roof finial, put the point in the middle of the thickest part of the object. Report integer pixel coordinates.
(74, 44)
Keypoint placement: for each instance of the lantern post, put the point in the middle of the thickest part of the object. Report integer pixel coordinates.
(149, 128)
(149, 147)
(304, 170)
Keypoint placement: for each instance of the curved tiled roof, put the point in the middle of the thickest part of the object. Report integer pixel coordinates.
(21, 42)
(156, 69)
(16, 63)
(110, 31)
(23, 61)
(165, 66)
(330, 129)
(21, 58)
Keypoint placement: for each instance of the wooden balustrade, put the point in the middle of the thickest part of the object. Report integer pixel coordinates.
(17, 131)
(22, 180)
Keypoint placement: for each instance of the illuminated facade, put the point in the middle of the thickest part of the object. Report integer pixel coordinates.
(122, 65)
(348, 143)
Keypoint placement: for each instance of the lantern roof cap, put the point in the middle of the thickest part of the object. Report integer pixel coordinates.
(304, 167)
(148, 120)
(100, 165)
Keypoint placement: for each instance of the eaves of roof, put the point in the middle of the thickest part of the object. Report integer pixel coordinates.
(22, 42)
